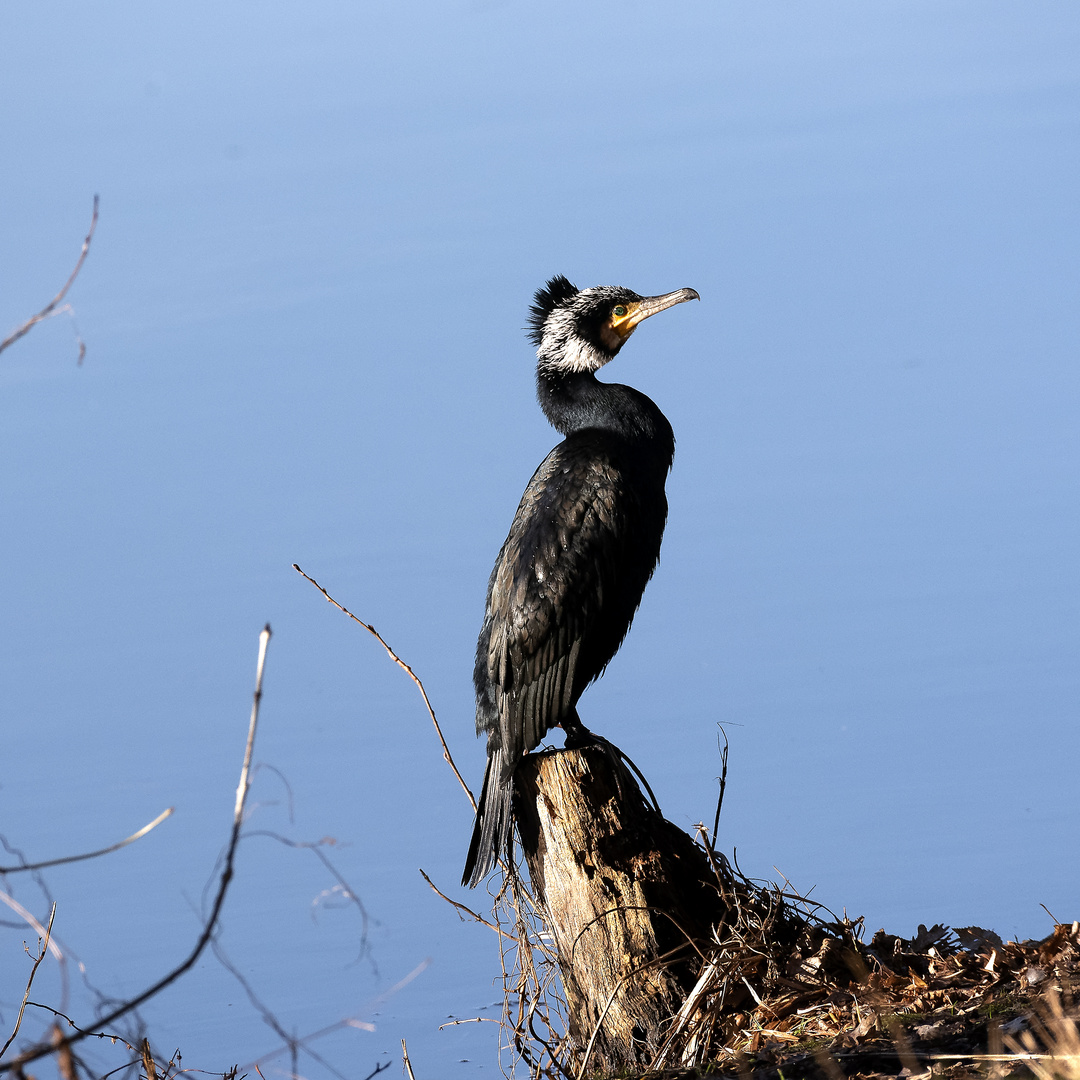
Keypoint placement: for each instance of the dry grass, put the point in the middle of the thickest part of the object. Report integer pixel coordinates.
(787, 990)
(534, 1008)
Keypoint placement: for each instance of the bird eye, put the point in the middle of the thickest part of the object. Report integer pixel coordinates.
(620, 310)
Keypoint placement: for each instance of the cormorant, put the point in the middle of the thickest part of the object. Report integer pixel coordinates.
(584, 543)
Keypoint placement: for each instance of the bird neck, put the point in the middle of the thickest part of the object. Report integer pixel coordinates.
(574, 401)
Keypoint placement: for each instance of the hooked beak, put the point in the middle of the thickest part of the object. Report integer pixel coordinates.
(647, 306)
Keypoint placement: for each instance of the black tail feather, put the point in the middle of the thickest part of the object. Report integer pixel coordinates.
(494, 816)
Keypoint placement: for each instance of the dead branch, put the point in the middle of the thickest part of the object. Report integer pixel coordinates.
(66, 1062)
(148, 1061)
(294, 1044)
(349, 1021)
(40, 1051)
(71, 1023)
(405, 667)
(91, 854)
(475, 916)
(19, 910)
(530, 980)
(42, 950)
(348, 891)
(722, 779)
(51, 308)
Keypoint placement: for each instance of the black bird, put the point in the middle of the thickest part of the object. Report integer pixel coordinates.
(584, 543)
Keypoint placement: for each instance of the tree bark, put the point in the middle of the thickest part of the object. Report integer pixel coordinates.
(629, 898)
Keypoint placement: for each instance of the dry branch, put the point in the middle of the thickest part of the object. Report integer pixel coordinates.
(51, 308)
(42, 951)
(406, 1062)
(405, 667)
(463, 909)
(32, 921)
(91, 854)
(349, 1021)
(348, 892)
(36, 1052)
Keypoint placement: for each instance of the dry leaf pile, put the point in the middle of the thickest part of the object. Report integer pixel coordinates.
(785, 992)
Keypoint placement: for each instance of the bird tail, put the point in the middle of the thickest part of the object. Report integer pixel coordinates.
(494, 816)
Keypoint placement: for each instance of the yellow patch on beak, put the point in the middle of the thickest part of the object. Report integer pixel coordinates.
(619, 327)
(623, 325)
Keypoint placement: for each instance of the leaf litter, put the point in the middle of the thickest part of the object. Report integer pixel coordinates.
(789, 990)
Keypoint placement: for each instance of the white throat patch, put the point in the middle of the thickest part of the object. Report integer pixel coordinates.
(562, 349)
(577, 355)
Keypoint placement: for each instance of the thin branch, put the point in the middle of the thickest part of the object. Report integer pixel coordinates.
(476, 917)
(92, 854)
(244, 785)
(723, 787)
(67, 1064)
(284, 783)
(42, 952)
(408, 671)
(50, 308)
(119, 1068)
(349, 1021)
(405, 1060)
(15, 906)
(226, 876)
(71, 1023)
(148, 1061)
(294, 1044)
(348, 891)
(260, 1007)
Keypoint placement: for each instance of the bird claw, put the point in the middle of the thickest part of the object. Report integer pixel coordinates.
(579, 737)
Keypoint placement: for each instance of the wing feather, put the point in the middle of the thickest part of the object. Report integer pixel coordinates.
(547, 590)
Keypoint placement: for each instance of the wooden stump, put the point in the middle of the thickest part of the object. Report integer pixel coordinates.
(629, 898)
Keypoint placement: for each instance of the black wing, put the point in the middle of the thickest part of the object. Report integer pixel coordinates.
(562, 592)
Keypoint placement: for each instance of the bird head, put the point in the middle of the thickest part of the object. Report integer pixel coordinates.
(578, 330)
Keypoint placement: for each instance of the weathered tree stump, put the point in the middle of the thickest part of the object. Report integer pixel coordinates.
(629, 898)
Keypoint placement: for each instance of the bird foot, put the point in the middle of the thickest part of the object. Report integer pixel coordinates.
(580, 736)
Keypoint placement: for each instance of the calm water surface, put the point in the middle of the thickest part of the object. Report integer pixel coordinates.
(320, 230)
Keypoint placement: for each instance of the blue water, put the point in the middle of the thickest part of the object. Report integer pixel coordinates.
(320, 231)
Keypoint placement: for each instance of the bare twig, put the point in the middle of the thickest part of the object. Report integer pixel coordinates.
(1055, 919)
(50, 308)
(405, 1060)
(148, 1061)
(530, 980)
(284, 783)
(723, 787)
(349, 1021)
(19, 910)
(119, 1068)
(347, 890)
(468, 911)
(65, 1059)
(253, 723)
(89, 1034)
(91, 854)
(293, 1043)
(223, 885)
(42, 951)
(408, 671)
